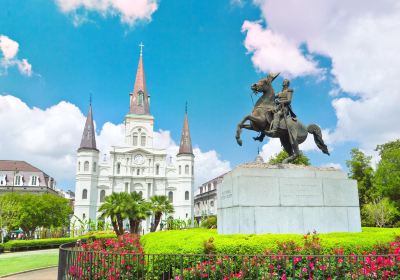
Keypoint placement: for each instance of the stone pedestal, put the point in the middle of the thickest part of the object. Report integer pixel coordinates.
(262, 198)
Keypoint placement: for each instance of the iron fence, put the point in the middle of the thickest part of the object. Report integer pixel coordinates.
(77, 264)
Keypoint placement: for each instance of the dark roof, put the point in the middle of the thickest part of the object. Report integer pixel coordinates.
(185, 146)
(17, 165)
(139, 105)
(88, 137)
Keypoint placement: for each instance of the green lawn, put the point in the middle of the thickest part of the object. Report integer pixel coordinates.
(22, 261)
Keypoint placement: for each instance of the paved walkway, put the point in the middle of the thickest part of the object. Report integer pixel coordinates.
(41, 274)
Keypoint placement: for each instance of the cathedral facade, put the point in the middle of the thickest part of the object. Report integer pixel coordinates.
(137, 166)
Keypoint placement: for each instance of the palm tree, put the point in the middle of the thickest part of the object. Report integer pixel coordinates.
(115, 207)
(138, 210)
(160, 204)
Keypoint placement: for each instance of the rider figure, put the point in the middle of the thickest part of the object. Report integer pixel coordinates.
(283, 106)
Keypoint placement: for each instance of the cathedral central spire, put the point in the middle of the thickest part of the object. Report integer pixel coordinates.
(139, 102)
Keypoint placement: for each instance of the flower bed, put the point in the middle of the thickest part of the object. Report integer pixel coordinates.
(124, 258)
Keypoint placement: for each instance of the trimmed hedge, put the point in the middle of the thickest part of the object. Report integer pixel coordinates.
(192, 241)
(20, 245)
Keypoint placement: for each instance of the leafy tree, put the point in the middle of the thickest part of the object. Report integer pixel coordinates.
(302, 159)
(115, 207)
(138, 210)
(160, 204)
(387, 176)
(360, 170)
(30, 211)
(379, 212)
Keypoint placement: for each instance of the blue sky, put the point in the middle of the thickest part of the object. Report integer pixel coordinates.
(195, 51)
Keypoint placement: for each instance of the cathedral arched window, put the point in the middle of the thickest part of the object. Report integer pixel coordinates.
(135, 139)
(102, 195)
(118, 167)
(140, 98)
(180, 170)
(186, 169)
(79, 166)
(86, 166)
(94, 166)
(157, 169)
(143, 139)
(192, 170)
(84, 194)
(141, 194)
(186, 195)
(171, 197)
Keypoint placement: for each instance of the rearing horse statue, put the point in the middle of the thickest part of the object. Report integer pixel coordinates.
(290, 132)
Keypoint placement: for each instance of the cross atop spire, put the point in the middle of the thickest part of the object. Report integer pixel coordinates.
(141, 48)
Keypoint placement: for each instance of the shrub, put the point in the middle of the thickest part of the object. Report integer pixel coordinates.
(14, 245)
(1, 248)
(209, 247)
(209, 222)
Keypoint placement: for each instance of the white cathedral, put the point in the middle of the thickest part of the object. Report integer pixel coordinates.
(137, 166)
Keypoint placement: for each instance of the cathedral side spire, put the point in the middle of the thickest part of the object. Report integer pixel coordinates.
(139, 102)
(88, 137)
(185, 146)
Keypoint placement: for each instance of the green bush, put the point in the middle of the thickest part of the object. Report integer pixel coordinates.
(14, 245)
(1, 248)
(209, 222)
(192, 241)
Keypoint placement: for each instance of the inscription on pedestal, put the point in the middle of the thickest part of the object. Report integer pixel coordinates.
(226, 194)
(296, 192)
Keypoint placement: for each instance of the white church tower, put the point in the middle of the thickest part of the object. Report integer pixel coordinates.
(87, 172)
(137, 165)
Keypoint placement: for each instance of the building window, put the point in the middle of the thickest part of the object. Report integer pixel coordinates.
(148, 189)
(201, 189)
(138, 171)
(192, 170)
(34, 180)
(94, 166)
(157, 169)
(187, 215)
(186, 169)
(3, 180)
(84, 194)
(126, 187)
(143, 140)
(141, 194)
(140, 98)
(86, 166)
(209, 187)
(83, 216)
(171, 197)
(18, 180)
(212, 203)
(79, 166)
(102, 195)
(135, 139)
(118, 167)
(180, 170)
(186, 195)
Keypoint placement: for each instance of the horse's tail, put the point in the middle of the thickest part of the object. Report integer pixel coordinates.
(316, 131)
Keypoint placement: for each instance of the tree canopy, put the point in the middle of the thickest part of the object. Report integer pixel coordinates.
(282, 155)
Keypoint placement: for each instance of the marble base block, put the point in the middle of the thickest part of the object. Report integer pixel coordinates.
(262, 198)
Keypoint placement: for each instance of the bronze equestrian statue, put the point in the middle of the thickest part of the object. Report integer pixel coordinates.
(273, 116)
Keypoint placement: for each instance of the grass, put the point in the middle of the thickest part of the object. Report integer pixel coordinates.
(192, 241)
(22, 261)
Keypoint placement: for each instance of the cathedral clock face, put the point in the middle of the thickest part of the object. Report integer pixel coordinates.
(138, 159)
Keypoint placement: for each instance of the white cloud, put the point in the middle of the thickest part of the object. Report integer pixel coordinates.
(48, 139)
(361, 38)
(273, 52)
(333, 165)
(129, 11)
(9, 50)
